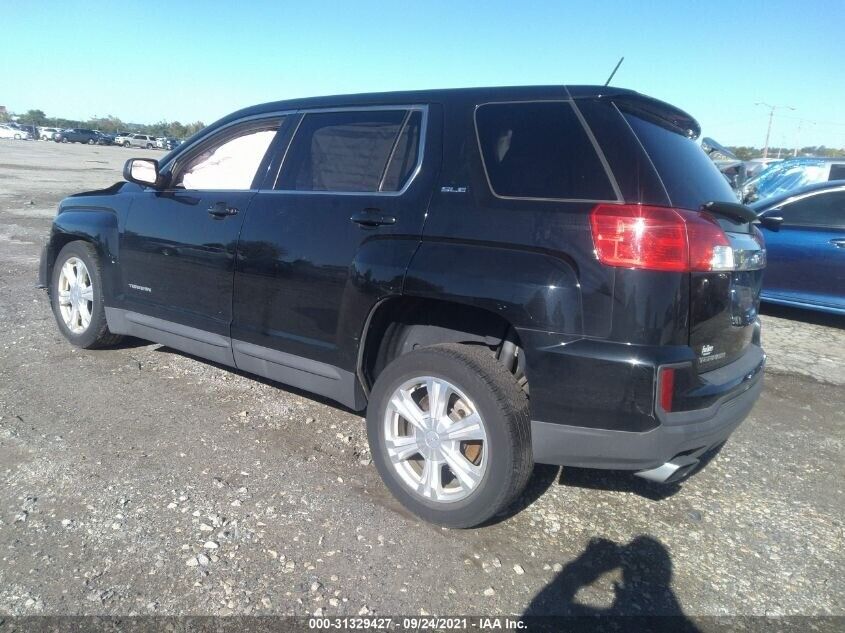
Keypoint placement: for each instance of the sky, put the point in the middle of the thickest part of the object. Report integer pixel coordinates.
(191, 60)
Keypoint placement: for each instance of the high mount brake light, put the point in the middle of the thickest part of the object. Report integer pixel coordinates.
(659, 238)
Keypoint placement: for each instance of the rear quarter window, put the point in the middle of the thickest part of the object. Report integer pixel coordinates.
(539, 150)
(689, 176)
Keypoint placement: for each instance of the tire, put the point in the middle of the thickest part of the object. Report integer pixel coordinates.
(64, 139)
(17, 137)
(499, 455)
(96, 333)
(126, 143)
(91, 141)
(149, 145)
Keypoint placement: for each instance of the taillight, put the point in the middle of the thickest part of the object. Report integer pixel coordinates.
(659, 238)
(666, 388)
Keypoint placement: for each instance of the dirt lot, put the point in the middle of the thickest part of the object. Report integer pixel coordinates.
(143, 481)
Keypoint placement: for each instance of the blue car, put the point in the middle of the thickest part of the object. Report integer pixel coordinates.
(805, 243)
(788, 175)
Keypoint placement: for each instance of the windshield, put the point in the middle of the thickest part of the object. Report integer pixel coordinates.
(784, 177)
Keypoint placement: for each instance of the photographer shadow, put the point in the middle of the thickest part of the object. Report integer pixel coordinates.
(641, 593)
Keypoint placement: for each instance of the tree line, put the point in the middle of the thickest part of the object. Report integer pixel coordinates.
(744, 152)
(108, 124)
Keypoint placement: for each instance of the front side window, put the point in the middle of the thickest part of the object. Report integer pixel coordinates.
(821, 210)
(539, 150)
(229, 161)
(353, 151)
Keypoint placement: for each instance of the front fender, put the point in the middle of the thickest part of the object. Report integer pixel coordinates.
(96, 224)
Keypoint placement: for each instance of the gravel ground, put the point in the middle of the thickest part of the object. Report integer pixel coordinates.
(142, 481)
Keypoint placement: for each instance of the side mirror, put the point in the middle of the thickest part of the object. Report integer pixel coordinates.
(772, 219)
(142, 171)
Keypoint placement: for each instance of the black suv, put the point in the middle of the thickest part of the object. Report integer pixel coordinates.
(499, 276)
(77, 135)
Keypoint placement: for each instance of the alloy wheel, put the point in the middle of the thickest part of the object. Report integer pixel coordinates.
(435, 439)
(75, 295)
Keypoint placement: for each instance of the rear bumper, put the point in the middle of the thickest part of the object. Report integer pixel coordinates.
(594, 403)
(601, 448)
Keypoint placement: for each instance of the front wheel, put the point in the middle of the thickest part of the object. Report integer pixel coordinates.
(449, 431)
(126, 143)
(149, 145)
(76, 296)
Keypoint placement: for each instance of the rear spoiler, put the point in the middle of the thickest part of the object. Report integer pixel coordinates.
(658, 112)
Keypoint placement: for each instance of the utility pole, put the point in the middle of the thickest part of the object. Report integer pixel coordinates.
(772, 109)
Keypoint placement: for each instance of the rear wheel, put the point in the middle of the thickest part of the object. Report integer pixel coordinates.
(91, 141)
(17, 137)
(449, 432)
(76, 295)
(149, 145)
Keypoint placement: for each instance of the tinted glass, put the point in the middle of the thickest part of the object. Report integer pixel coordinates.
(231, 162)
(405, 154)
(837, 172)
(822, 210)
(690, 177)
(341, 151)
(540, 150)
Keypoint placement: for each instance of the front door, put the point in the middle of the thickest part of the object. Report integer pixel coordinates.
(178, 245)
(806, 254)
(332, 233)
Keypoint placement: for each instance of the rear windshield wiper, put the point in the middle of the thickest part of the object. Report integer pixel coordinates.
(731, 210)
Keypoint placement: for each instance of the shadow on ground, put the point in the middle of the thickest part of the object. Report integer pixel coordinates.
(627, 585)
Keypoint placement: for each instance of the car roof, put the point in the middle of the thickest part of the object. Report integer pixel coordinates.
(677, 117)
(766, 203)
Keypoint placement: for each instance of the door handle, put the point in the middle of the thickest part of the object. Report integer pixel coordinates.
(371, 218)
(221, 210)
(838, 243)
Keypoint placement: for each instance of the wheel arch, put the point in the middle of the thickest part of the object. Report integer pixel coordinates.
(97, 226)
(400, 324)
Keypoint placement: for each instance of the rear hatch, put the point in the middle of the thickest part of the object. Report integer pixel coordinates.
(723, 303)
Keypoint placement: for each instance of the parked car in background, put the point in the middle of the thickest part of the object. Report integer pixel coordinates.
(104, 139)
(792, 174)
(7, 131)
(434, 257)
(805, 247)
(167, 142)
(31, 129)
(47, 133)
(77, 135)
(136, 140)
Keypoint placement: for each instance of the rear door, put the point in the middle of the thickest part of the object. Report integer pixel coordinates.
(330, 234)
(723, 305)
(807, 252)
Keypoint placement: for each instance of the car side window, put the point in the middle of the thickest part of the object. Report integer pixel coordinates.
(229, 160)
(822, 210)
(837, 172)
(539, 150)
(353, 151)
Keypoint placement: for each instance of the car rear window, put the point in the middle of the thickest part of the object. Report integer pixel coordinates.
(539, 150)
(353, 151)
(689, 176)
